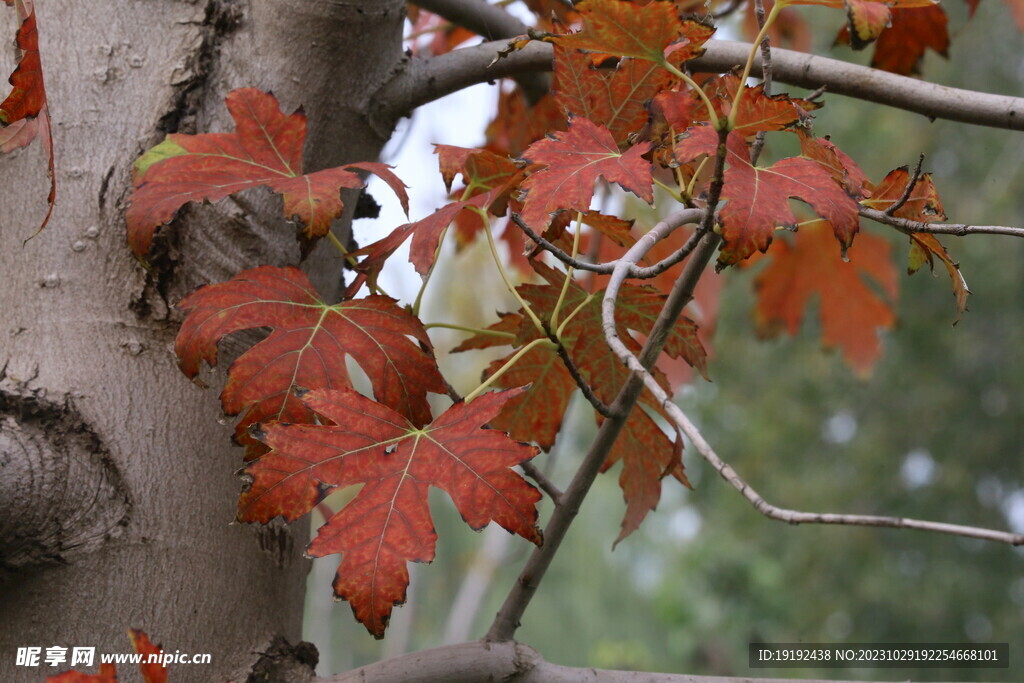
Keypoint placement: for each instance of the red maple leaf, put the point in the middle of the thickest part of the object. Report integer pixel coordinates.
(388, 523)
(905, 37)
(615, 98)
(647, 453)
(866, 18)
(307, 347)
(573, 161)
(757, 198)
(925, 248)
(152, 672)
(923, 205)
(1017, 10)
(851, 311)
(844, 170)
(652, 32)
(265, 150)
(490, 179)
(789, 30)
(28, 95)
(107, 674)
(24, 114)
(517, 123)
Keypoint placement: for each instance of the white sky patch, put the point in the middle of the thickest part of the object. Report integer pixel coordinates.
(840, 428)
(458, 119)
(684, 524)
(1013, 508)
(918, 469)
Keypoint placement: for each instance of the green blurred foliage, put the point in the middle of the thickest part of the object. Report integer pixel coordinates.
(936, 432)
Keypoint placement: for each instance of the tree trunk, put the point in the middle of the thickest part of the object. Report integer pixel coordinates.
(117, 482)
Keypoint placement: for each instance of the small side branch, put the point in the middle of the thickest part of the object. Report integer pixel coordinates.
(682, 217)
(891, 211)
(588, 392)
(545, 484)
(959, 229)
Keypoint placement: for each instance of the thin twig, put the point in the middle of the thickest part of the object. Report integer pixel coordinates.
(908, 226)
(766, 68)
(588, 392)
(636, 272)
(676, 415)
(546, 485)
(908, 191)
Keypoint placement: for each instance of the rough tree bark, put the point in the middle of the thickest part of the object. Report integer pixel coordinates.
(116, 479)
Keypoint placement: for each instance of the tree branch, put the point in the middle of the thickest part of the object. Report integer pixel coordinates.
(546, 485)
(426, 80)
(507, 620)
(493, 23)
(676, 415)
(511, 661)
(482, 18)
(959, 229)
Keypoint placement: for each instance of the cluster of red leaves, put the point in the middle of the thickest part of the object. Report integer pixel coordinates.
(24, 114)
(151, 672)
(648, 454)
(621, 112)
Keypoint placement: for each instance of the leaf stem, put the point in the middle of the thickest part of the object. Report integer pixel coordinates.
(675, 71)
(423, 286)
(568, 270)
(351, 260)
(471, 330)
(506, 367)
(575, 311)
(754, 47)
(693, 179)
(504, 276)
(675, 194)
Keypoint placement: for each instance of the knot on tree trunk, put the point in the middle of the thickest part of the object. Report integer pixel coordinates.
(60, 493)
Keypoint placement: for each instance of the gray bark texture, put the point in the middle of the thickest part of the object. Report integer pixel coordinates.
(117, 477)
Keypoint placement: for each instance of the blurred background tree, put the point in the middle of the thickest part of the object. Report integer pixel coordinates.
(935, 432)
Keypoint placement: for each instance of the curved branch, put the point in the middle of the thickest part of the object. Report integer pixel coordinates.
(510, 661)
(507, 620)
(427, 80)
(637, 272)
(677, 416)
